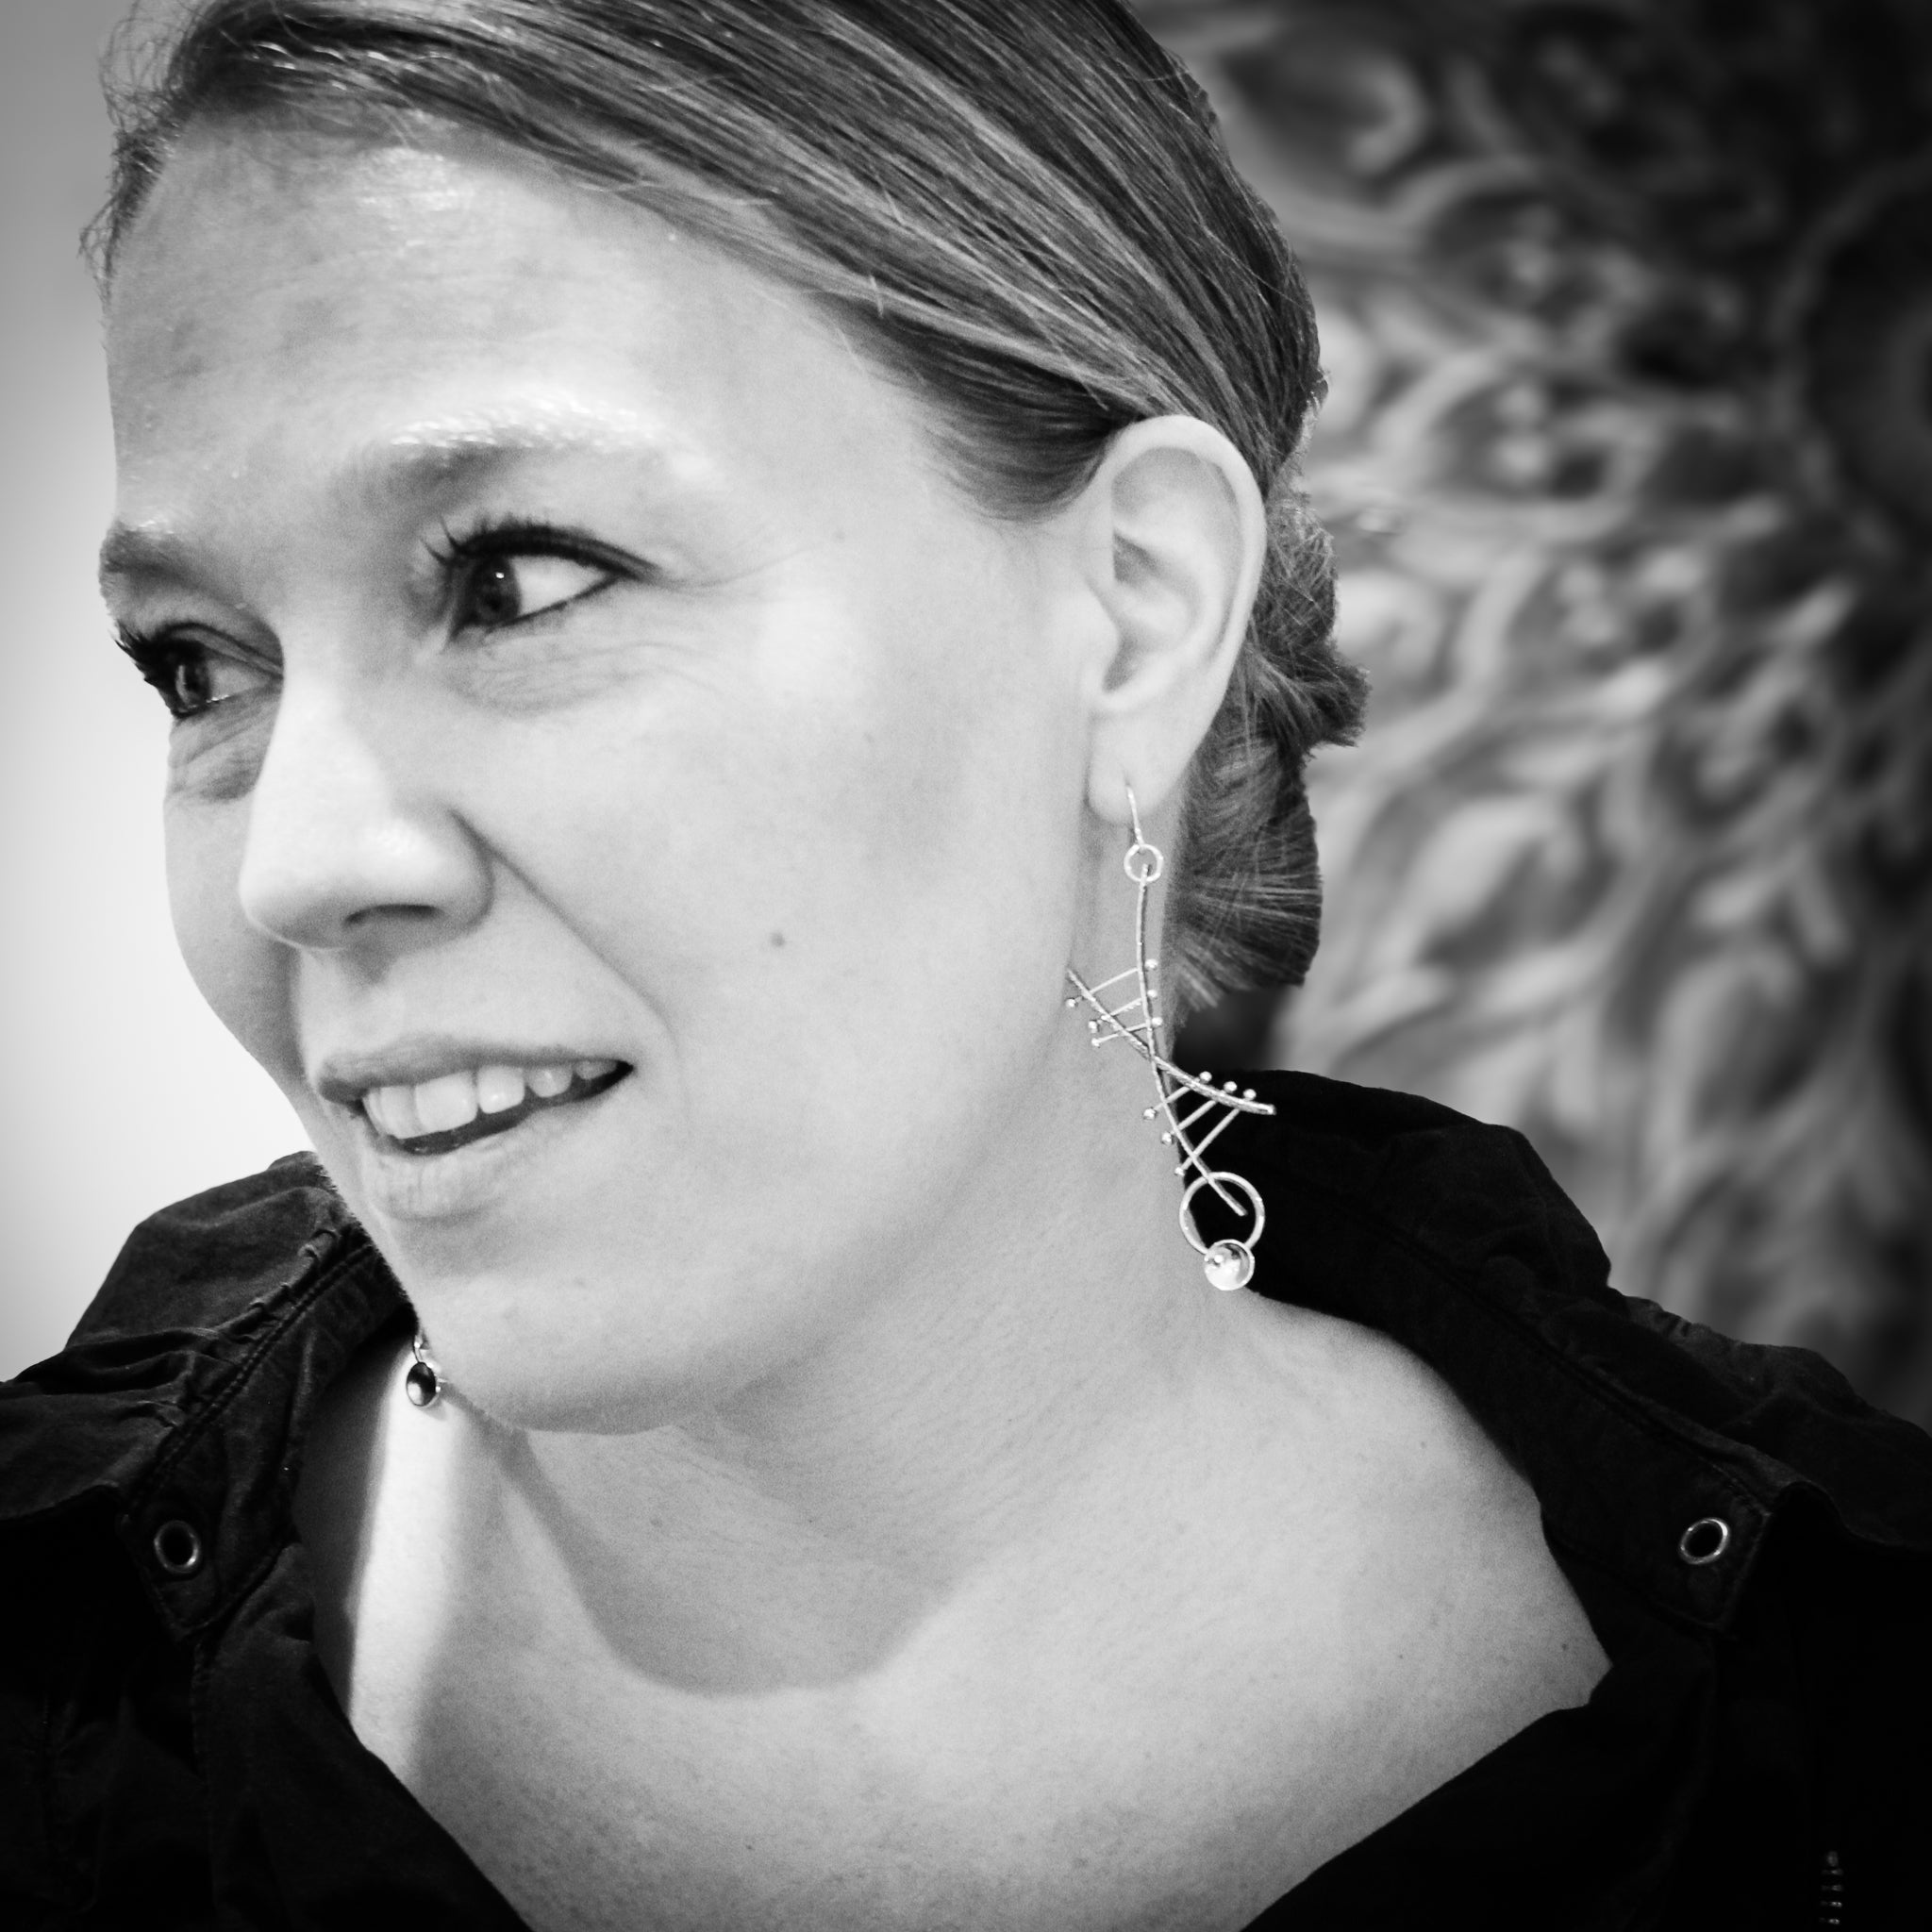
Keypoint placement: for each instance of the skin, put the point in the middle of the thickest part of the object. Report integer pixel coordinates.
(840, 1463)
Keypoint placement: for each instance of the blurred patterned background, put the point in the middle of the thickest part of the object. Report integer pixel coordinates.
(1627, 307)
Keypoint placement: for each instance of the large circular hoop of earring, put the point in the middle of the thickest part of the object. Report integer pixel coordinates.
(1229, 1264)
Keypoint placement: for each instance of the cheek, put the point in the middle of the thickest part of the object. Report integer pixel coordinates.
(848, 807)
(242, 974)
(848, 872)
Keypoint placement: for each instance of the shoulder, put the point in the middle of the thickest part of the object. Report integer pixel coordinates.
(212, 1306)
(1747, 1537)
(142, 1477)
(202, 1260)
(1451, 1239)
(1363, 1173)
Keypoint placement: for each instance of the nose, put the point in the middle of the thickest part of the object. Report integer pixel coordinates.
(349, 844)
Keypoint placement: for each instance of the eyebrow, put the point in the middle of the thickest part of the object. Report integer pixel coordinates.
(134, 551)
(444, 453)
(415, 461)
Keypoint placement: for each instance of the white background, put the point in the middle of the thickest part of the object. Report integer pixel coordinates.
(122, 1092)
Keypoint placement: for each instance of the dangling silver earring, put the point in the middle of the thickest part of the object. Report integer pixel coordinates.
(425, 1381)
(1228, 1264)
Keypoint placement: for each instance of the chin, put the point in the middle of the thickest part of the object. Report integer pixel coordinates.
(540, 1349)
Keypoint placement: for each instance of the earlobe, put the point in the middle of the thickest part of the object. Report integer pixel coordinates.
(1180, 535)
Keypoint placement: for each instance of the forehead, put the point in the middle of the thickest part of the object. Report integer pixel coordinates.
(285, 292)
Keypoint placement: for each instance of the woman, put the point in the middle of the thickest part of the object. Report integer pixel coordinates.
(717, 568)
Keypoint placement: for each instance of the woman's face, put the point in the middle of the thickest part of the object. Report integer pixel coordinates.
(611, 757)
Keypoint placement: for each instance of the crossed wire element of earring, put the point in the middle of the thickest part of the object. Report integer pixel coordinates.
(1228, 1264)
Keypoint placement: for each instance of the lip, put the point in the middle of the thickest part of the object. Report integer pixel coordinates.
(480, 1177)
(344, 1078)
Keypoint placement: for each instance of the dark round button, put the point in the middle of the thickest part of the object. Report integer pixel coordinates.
(1705, 1542)
(177, 1548)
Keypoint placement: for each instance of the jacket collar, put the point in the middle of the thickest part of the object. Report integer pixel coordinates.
(180, 1401)
(1631, 1424)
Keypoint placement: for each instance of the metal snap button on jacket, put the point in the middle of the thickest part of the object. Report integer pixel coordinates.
(1705, 1542)
(177, 1547)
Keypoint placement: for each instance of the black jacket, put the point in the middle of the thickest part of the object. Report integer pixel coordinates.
(1759, 1755)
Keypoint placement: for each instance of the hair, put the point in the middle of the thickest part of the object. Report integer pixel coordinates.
(1023, 207)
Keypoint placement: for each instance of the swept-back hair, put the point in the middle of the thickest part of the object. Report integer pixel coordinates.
(1021, 206)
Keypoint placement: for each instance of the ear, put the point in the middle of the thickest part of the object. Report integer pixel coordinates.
(1175, 535)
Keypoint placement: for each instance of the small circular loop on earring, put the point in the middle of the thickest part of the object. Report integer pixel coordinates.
(1144, 863)
(1225, 1179)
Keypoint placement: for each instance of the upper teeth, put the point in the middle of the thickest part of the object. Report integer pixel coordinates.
(442, 1105)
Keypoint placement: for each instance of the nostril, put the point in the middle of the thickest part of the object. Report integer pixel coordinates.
(399, 914)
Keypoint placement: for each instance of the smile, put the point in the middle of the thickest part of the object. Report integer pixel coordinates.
(456, 1110)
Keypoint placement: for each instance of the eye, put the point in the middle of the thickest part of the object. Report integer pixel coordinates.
(507, 586)
(193, 678)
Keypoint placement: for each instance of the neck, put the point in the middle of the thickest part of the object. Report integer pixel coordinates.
(1043, 1365)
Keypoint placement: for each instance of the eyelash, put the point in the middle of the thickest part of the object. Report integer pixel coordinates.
(492, 537)
(159, 657)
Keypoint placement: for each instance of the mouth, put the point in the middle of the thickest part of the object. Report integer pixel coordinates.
(458, 1109)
